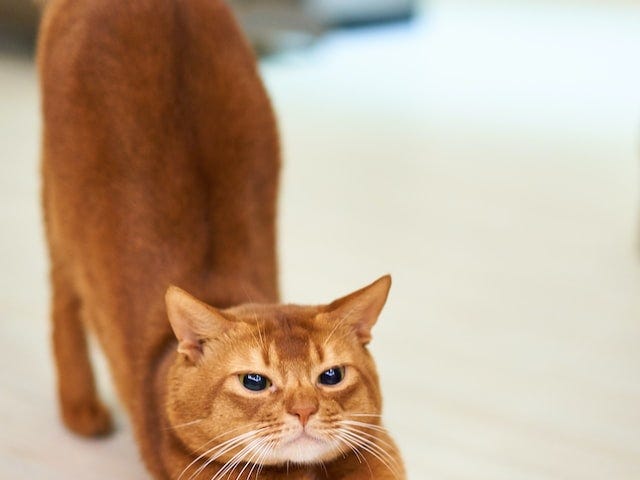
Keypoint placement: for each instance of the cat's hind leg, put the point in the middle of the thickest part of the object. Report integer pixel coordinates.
(82, 411)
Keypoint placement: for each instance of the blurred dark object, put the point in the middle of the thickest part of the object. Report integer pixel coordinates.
(18, 24)
(350, 13)
(272, 25)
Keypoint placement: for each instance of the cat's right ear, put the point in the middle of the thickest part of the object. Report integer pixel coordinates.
(360, 309)
(192, 322)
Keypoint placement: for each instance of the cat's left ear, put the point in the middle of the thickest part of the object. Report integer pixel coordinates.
(193, 322)
(361, 308)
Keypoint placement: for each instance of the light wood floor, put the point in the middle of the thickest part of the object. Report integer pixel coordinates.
(487, 157)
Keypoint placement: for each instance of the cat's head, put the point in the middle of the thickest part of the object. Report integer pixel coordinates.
(273, 384)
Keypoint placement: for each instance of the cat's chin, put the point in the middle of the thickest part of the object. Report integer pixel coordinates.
(304, 449)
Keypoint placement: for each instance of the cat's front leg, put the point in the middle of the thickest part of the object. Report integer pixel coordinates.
(82, 410)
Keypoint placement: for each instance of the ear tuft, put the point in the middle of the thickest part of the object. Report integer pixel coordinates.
(192, 322)
(361, 308)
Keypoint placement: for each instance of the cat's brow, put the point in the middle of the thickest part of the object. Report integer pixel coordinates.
(260, 341)
(319, 351)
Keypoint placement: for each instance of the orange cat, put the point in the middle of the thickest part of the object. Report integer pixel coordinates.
(160, 167)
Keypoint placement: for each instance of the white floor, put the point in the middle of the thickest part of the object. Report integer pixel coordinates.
(487, 157)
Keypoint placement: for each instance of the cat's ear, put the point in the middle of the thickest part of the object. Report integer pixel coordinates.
(361, 308)
(193, 322)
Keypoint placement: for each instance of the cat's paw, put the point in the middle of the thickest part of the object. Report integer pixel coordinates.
(89, 419)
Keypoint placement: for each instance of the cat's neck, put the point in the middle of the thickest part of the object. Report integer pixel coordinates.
(152, 417)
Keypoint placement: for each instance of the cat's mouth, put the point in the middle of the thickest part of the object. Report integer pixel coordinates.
(304, 447)
(303, 437)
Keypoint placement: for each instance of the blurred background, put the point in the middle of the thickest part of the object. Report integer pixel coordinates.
(483, 152)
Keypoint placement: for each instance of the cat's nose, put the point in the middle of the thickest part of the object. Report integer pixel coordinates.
(303, 411)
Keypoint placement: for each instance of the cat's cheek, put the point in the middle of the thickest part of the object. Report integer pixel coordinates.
(353, 400)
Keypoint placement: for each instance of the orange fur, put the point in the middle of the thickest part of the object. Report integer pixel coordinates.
(160, 166)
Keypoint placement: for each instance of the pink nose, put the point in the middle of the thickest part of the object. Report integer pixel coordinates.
(303, 412)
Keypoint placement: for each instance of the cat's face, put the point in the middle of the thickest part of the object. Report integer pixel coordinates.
(272, 384)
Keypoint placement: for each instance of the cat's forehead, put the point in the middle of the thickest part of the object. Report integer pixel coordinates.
(288, 334)
(274, 312)
(277, 321)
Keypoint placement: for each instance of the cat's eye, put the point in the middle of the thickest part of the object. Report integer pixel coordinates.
(333, 376)
(255, 382)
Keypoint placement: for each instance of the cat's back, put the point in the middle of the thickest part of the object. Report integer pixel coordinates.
(157, 135)
(142, 74)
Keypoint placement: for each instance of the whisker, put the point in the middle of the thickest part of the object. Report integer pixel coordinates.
(219, 436)
(324, 467)
(255, 449)
(258, 459)
(256, 454)
(232, 441)
(243, 451)
(221, 451)
(260, 336)
(367, 425)
(269, 448)
(348, 426)
(337, 325)
(246, 292)
(182, 425)
(374, 438)
(378, 428)
(370, 442)
(374, 449)
(260, 341)
(353, 447)
(343, 452)
(232, 464)
(254, 443)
